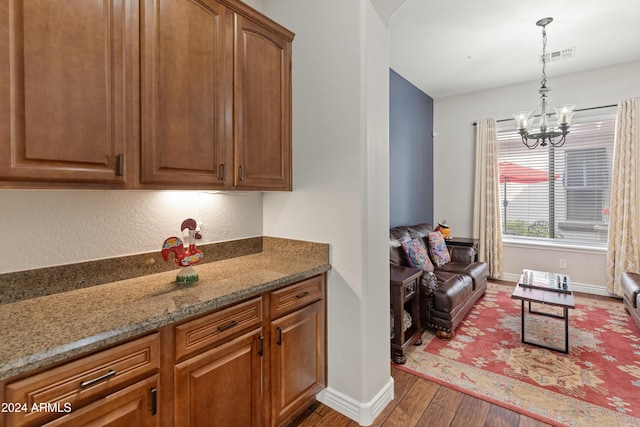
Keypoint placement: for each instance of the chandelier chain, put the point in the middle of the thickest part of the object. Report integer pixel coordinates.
(543, 82)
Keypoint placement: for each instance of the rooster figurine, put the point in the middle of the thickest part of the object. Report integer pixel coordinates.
(185, 258)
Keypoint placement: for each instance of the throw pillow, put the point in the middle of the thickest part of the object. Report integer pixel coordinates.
(429, 283)
(438, 249)
(416, 253)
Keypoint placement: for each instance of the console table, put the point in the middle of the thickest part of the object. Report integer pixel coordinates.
(466, 241)
(405, 295)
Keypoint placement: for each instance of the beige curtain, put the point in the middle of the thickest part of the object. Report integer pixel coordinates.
(623, 251)
(486, 203)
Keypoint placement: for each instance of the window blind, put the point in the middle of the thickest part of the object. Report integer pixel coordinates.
(558, 194)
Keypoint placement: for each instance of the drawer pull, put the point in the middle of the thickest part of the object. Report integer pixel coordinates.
(85, 384)
(279, 337)
(154, 401)
(228, 326)
(120, 168)
(302, 294)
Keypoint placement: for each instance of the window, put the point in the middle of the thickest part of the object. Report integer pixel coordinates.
(586, 182)
(558, 194)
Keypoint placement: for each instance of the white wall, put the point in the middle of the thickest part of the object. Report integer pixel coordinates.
(340, 133)
(52, 227)
(454, 151)
(256, 4)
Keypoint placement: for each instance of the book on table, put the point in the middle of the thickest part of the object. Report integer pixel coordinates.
(546, 281)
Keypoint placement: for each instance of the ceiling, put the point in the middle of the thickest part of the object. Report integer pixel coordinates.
(450, 47)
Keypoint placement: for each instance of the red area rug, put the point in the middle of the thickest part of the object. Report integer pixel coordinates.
(596, 384)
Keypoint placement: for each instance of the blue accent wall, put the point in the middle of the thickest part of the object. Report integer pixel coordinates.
(410, 153)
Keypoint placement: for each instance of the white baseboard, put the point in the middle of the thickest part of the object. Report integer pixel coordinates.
(363, 413)
(577, 287)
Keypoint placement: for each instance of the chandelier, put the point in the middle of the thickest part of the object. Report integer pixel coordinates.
(524, 119)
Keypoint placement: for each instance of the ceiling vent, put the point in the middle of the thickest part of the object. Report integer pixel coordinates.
(559, 55)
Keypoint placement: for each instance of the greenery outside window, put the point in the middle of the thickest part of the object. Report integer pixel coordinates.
(558, 195)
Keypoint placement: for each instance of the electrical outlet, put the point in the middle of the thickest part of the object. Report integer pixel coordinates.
(562, 263)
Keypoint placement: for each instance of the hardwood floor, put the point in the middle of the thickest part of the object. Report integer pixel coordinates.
(419, 402)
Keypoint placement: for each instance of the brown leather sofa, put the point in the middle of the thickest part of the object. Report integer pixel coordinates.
(460, 282)
(631, 287)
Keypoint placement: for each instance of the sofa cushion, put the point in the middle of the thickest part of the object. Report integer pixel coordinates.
(438, 249)
(478, 271)
(452, 294)
(420, 231)
(416, 254)
(397, 235)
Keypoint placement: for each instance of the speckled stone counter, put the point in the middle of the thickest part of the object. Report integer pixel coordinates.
(41, 331)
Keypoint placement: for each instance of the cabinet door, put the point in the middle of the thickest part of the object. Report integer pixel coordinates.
(297, 363)
(222, 386)
(186, 93)
(262, 97)
(68, 89)
(132, 406)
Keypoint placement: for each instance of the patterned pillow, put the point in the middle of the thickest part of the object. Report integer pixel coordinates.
(429, 283)
(416, 253)
(438, 249)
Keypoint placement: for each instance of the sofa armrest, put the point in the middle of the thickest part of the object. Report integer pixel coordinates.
(462, 254)
(630, 283)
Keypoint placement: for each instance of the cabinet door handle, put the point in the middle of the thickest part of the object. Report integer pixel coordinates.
(261, 348)
(120, 168)
(229, 325)
(221, 172)
(85, 384)
(279, 338)
(154, 401)
(241, 172)
(302, 294)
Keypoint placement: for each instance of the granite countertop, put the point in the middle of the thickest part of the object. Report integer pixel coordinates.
(41, 331)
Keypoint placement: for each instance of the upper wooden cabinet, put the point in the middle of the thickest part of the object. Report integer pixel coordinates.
(149, 94)
(262, 100)
(67, 86)
(186, 92)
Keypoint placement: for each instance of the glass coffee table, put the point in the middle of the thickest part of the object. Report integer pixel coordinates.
(545, 288)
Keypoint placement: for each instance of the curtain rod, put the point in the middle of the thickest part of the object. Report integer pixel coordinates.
(580, 109)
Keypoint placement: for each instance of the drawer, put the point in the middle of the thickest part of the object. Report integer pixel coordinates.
(410, 289)
(292, 297)
(76, 383)
(204, 331)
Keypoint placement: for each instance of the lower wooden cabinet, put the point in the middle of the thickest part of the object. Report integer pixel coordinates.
(297, 361)
(222, 386)
(133, 406)
(256, 363)
(74, 385)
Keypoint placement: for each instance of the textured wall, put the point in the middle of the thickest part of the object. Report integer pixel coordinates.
(51, 227)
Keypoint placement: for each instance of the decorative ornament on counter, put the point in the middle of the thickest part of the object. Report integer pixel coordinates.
(185, 258)
(444, 229)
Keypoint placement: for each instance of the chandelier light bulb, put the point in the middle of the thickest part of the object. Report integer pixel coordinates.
(564, 113)
(524, 120)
